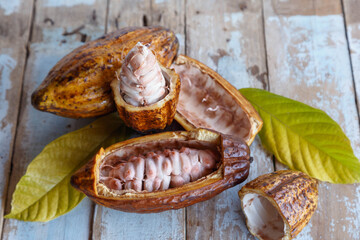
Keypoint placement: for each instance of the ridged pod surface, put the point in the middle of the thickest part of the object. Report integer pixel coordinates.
(278, 205)
(78, 86)
(233, 168)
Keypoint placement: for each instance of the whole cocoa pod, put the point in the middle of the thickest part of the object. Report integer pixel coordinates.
(164, 171)
(78, 85)
(278, 205)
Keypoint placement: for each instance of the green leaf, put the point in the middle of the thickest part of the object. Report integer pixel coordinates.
(44, 192)
(304, 138)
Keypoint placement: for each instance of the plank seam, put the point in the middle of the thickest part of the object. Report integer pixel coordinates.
(93, 205)
(350, 59)
(185, 27)
(107, 15)
(151, 13)
(185, 51)
(27, 49)
(274, 162)
(266, 64)
(92, 221)
(265, 47)
(185, 225)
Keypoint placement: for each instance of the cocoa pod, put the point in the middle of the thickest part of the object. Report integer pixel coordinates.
(145, 93)
(278, 205)
(78, 86)
(129, 176)
(209, 101)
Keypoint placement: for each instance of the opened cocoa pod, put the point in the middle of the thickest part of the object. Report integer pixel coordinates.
(78, 85)
(209, 101)
(145, 93)
(278, 205)
(164, 171)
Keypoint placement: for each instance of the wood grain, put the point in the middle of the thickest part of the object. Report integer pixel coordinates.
(108, 223)
(352, 17)
(308, 60)
(170, 14)
(228, 37)
(14, 35)
(58, 28)
(308, 54)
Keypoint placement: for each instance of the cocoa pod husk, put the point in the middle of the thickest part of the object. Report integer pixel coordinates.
(233, 168)
(278, 205)
(78, 86)
(207, 100)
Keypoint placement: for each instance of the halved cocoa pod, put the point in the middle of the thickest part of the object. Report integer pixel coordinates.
(164, 171)
(78, 86)
(278, 205)
(145, 93)
(209, 101)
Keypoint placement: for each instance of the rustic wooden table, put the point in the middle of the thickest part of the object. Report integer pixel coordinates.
(308, 50)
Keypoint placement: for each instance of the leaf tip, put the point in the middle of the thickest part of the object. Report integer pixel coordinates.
(10, 215)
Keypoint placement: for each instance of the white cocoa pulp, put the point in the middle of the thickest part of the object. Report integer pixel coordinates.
(141, 79)
(263, 219)
(158, 170)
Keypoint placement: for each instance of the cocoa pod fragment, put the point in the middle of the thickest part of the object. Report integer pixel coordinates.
(145, 93)
(169, 179)
(209, 101)
(78, 86)
(278, 205)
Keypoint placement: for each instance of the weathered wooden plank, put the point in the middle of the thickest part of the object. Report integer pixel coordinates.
(352, 17)
(228, 37)
(14, 34)
(52, 38)
(170, 14)
(307, 53)
(108, 223)
(128, 13)
(112, 224)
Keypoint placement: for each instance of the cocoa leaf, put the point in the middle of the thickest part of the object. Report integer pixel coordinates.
(44, 192)
(304, 138)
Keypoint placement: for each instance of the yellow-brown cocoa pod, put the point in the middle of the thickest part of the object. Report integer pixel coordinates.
(278, 205)
(126, 175)
(78, 86)
(209, 101)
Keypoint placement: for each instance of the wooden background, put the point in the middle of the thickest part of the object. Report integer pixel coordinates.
(308, 50)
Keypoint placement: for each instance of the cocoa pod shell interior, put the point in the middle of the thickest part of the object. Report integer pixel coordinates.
(209, 101)
(278, 205)
(151, 117)
(232, 168)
